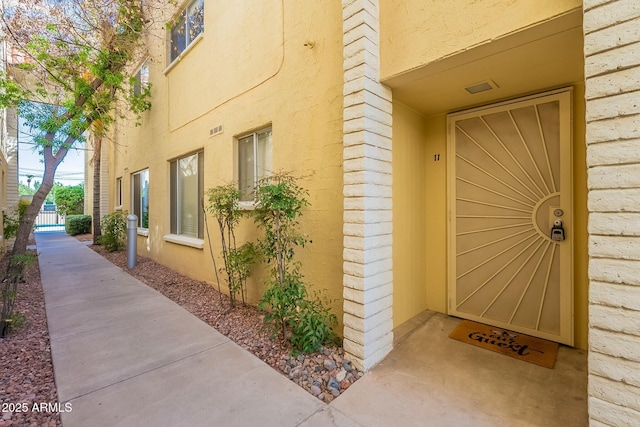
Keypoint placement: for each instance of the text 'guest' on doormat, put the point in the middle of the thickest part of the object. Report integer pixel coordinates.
(514, 344)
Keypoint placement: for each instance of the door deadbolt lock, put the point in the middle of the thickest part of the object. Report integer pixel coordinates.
(557, 231)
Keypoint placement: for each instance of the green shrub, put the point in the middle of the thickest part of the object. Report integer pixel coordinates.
(312, 326)
(9, 292)
(12, 220)
(70, 200)
(279, 205)
(238, 260)
(77, 224)
(114, 231)
(16, 321)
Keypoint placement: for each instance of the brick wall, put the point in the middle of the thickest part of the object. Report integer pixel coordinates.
(368, 276)
(612, 72)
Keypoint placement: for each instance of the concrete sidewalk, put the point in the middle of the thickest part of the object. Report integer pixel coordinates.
(124, 355)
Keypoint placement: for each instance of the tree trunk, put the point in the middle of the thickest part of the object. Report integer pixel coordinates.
(30, 215)
(51, 163)
(97, 156)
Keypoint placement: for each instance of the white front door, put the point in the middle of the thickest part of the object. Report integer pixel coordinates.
(509, 181)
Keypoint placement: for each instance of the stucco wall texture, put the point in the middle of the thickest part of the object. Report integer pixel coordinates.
(257, 65)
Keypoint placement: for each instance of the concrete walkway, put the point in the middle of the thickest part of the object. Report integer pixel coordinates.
(124, 355)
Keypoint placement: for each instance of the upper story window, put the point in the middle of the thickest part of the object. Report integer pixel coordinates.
(254, 161)
(141, 80)
(188, 25)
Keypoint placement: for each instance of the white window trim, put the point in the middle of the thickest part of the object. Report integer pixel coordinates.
(183, 53)
(133, 195)
(184, 240)
(249, 205)
(143, 232)
(180, 237)
(143, 85)
(119, 194)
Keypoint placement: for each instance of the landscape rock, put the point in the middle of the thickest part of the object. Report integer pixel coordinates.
(329, 364)
(26, 371)
(244, 325)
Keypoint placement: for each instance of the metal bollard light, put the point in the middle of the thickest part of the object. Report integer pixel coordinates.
(132, 232)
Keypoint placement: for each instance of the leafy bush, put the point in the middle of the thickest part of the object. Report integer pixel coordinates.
(17, 320)
(312, 326)
(238, 260)
(70, 200)
(114, 231)
(77, 224)
(279, 204)
(9, 292)
(12, 220)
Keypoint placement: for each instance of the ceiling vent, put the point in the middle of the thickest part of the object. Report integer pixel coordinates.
(481, 87)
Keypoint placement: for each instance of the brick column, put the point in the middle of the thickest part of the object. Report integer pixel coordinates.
(612, 72)
(368, 276)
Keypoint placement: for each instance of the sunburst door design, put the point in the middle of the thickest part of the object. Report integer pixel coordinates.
(509, 181)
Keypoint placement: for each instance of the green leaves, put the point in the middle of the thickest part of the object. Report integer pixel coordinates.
(70, 200)
(223, 204)
(75, 57)
(114, 231)
(279, 204)
(312, 327)
(11, 93)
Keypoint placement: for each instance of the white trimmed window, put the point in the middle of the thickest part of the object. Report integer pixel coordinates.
(254, 161)
(188, 25)
(187, 189)
(141, 79)
(119, 193)
(140, 197)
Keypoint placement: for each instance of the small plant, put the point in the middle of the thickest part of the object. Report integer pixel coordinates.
(279, 204)
(240, 261)
(12, 220)
(77, 224)
(223, 204)
(16, 321)
(114, 231)
(9, 292)
(313, 325)
(11, 223)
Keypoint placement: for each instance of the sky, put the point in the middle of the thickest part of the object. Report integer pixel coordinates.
(70, 171)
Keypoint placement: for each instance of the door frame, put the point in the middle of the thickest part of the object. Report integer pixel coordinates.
(567, 293)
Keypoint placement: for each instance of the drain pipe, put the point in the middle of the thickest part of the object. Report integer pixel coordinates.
(132, 231)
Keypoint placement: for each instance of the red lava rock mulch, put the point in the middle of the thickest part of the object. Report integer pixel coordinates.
(28, 395)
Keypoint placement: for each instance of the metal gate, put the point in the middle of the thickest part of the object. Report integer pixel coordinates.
(49, 220)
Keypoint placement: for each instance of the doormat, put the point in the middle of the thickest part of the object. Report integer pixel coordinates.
(514, 344)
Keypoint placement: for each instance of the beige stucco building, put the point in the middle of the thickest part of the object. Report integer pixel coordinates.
(479, 159)
(8, 155)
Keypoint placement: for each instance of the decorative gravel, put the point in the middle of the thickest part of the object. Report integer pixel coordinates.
(324, 374)
(28, 394)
